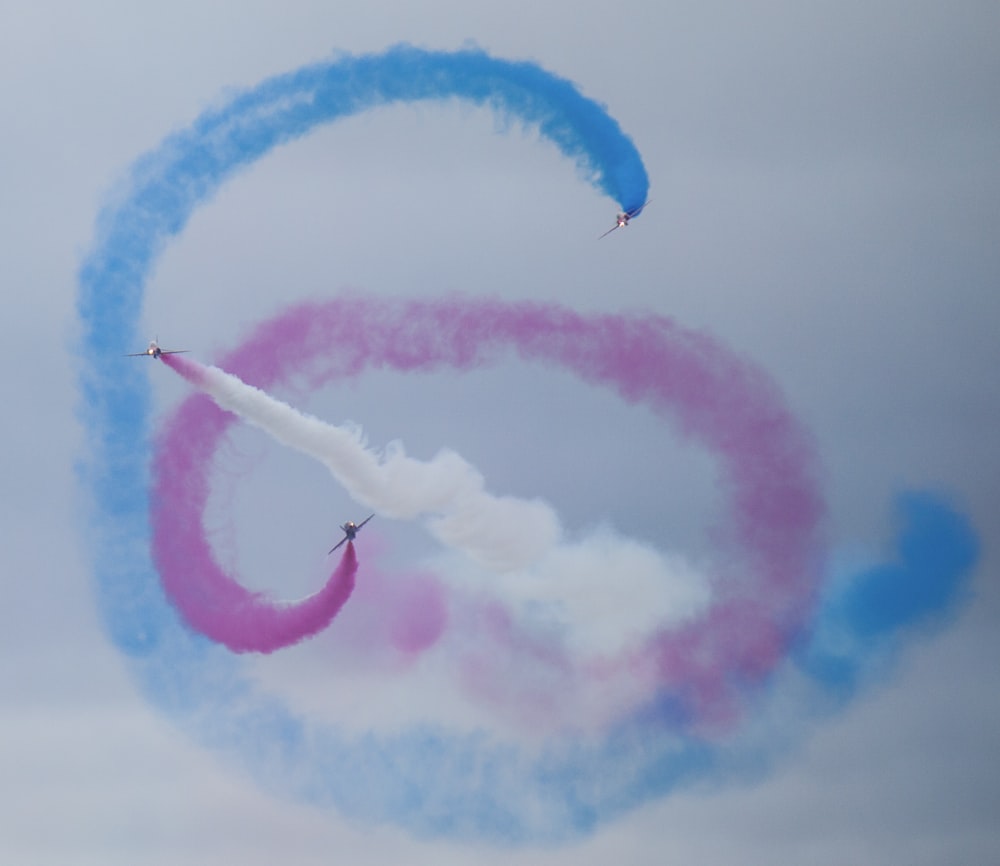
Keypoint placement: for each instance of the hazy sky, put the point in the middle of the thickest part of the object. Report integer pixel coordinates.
(826, 203)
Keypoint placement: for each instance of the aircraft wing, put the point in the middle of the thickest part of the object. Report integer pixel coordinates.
(635, 212)
(332, 549)
(173, 351)
(363, 522)
(135, 354)
(617, 226)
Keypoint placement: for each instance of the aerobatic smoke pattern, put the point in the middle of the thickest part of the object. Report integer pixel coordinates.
(710, 677)
(168, 183)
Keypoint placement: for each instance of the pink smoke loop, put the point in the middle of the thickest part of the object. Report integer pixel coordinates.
(769, 542)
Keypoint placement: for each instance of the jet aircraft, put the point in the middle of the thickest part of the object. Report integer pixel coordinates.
(350, 530)
(622, 219)
(154, 351)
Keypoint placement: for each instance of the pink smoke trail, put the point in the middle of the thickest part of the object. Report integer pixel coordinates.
(768, 542)
(392, 619)
(211, 601)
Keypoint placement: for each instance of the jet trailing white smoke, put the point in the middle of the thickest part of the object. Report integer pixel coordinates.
(501, 532)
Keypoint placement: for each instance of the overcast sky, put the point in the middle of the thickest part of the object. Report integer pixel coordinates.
(826, 203)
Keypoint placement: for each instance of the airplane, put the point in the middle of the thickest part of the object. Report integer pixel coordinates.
(622, 219)
(350, 530)
(154, 351)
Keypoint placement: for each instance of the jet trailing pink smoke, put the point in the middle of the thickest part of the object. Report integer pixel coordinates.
(765, 574)
(211, 601)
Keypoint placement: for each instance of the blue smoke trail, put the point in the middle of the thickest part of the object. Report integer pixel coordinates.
(429, 780)
(935, 554)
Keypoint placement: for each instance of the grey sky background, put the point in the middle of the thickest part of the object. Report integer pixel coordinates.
(826, 201)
